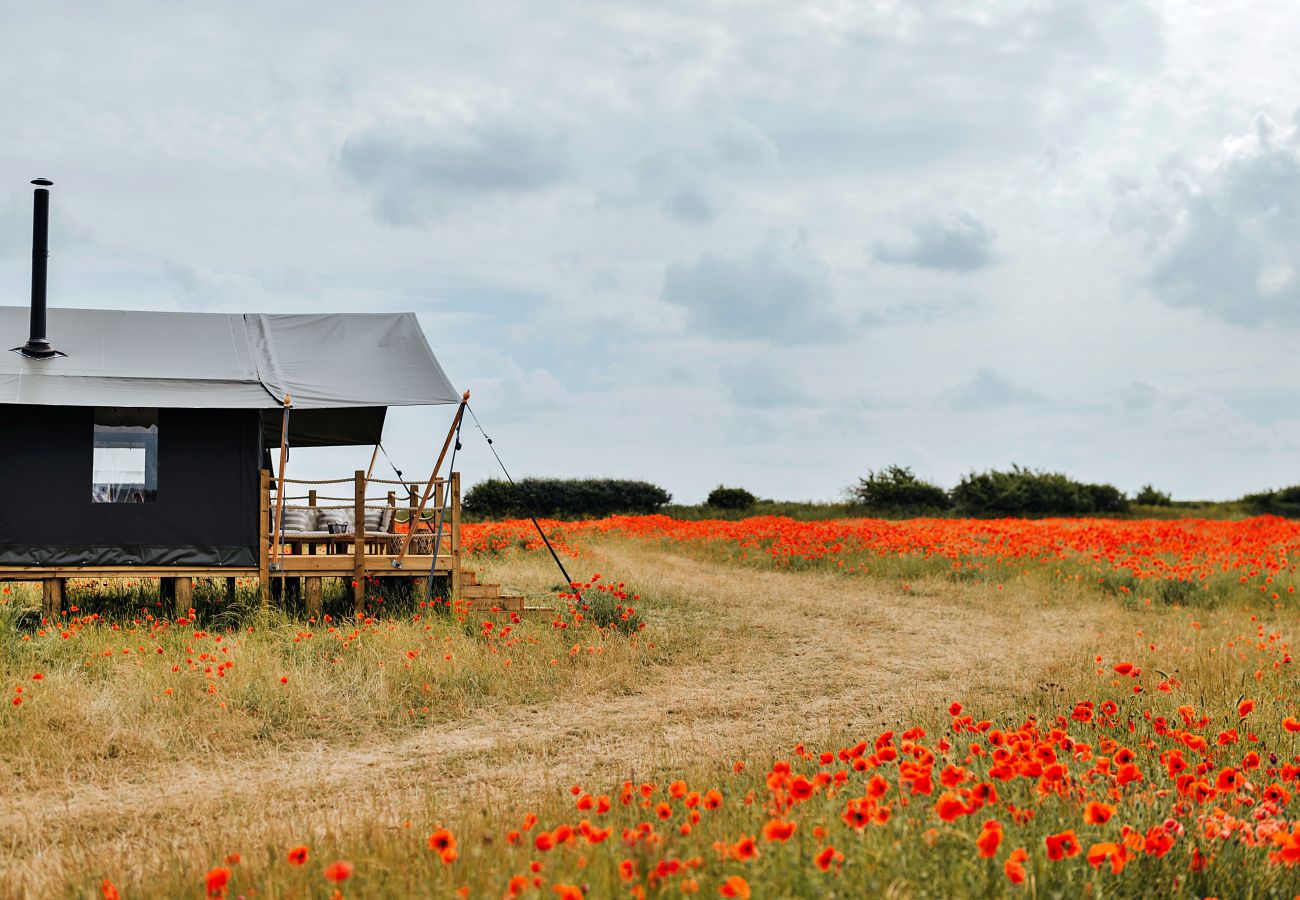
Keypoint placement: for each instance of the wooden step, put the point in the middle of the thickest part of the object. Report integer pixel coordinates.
(501, 604)
(479, 591)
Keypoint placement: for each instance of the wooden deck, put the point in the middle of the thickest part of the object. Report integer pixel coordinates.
(341, 556)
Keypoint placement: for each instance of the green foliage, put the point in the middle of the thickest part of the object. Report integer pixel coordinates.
(896, 489)
(1025, 492)
(800, 511)
(730, 498)
(1281, 502)
(1149, 496)
(563, 498)
(605, 611)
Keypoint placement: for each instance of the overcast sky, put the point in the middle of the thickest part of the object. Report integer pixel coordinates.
(768, 244)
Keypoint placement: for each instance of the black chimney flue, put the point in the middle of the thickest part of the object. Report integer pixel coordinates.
(38, 346)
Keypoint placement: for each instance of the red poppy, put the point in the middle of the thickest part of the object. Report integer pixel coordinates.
(778, 830)
(824, 859)
(1062, 845)
(1097, 813)
(338, 872)
(216, 881)
(735, 887)
(1115, 853)
(1013, 868)
(989, 839)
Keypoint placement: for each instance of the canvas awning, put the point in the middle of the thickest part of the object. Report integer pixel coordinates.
(327, 361)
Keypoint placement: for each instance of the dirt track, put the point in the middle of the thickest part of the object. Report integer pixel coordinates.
(794, 657)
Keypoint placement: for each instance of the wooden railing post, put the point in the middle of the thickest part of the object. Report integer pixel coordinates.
(454, 487)
(264, 539)
(311, 501)
(359, 542)
(184, 595)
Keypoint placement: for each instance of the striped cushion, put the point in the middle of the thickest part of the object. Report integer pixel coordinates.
(299, 519)
(377, 520)
(334, 517)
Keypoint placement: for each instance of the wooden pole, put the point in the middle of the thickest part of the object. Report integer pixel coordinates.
(263, 541)
(373, 456)
(359, 542)
(279, 491)
(455, 537)
(428, 489)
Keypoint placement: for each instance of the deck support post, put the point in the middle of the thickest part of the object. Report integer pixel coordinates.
(184, 589)
(52, 590)
(263, 540)
(312, 583)
(359, 543)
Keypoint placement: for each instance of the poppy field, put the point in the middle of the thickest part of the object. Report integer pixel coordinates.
(928, 708)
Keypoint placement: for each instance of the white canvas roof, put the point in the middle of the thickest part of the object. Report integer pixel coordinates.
(222, 360)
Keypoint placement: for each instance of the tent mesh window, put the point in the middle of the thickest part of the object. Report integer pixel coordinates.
(125, 468)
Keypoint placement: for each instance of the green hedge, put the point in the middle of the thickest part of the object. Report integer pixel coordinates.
(563, 498)
(730, 498)
(1281, 502)
(1025, 492)
(896, 489)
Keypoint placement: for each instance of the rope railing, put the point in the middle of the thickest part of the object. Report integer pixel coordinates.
(353, 480)
(368, 505)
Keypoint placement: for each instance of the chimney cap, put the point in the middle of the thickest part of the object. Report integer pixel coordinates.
(43, 182)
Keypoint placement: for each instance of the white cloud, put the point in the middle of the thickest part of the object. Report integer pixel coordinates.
(781, 292)
(954, 241)
(588, 197)
(989, 390)
(418, 170)
(1232, 244)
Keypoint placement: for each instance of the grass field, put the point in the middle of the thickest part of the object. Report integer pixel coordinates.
(861, 708)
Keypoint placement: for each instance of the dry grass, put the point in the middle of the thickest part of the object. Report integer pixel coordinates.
(119, 780)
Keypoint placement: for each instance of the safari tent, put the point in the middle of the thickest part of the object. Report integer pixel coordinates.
(140, 444)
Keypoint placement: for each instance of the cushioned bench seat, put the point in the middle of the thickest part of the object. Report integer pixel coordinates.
(325, 536)
(311, 523)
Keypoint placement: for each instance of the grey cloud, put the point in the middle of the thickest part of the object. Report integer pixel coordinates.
(777, 293)
(690, 204)
(683, 175)
(989, 390)
(1235, 253)
(417, 171)
(917, 83)
(739, 142)
(205, 290)
(954, 241)
(761, 385)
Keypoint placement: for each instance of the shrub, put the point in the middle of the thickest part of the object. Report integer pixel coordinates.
(897, 489)
(1025, 492)
(563, 498)
(730, 498)
(1149, 496)
(1281, 502)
